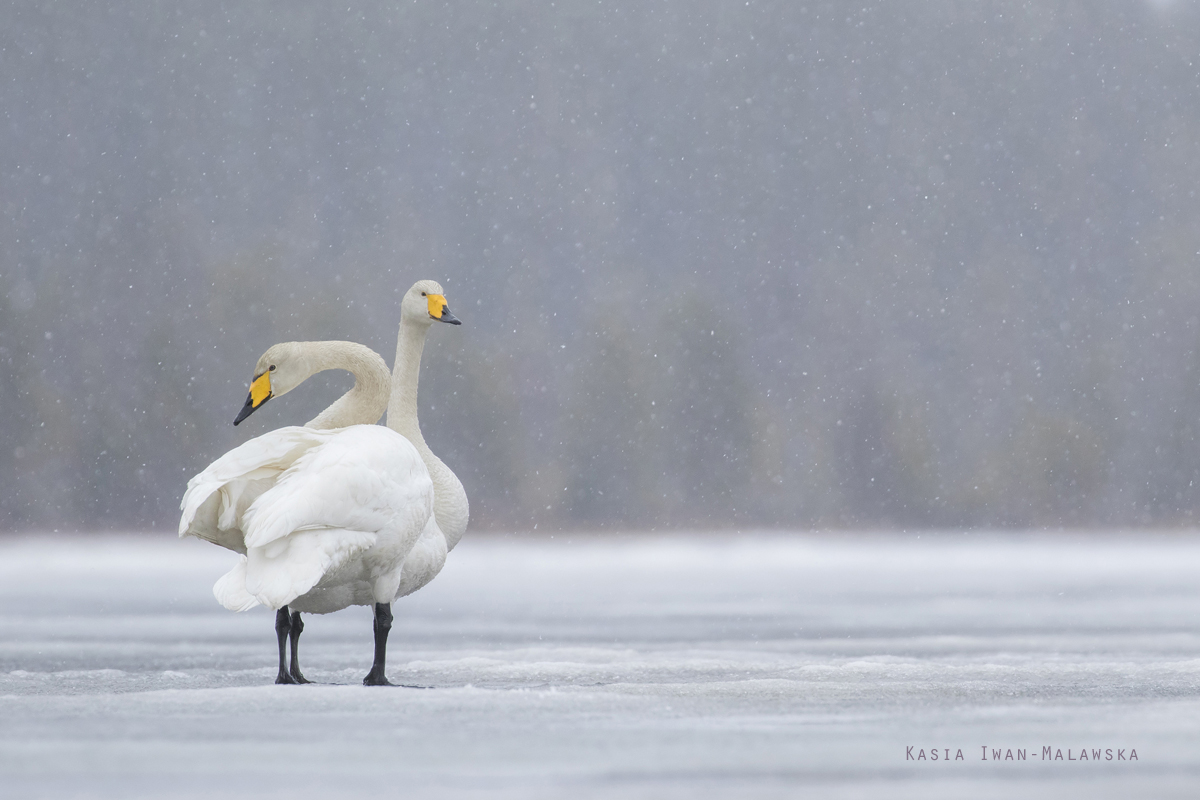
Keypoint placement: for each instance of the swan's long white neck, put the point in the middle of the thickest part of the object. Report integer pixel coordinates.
(449, 498)
(366, 401)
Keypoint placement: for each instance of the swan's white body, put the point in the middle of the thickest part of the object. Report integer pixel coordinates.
(325, 519)
(324, 515)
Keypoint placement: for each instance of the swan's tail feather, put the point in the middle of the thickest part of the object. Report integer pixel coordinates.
(282, 570)
(230, 590)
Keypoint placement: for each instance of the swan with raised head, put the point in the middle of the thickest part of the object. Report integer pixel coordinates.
(325, 515)
(448, 522)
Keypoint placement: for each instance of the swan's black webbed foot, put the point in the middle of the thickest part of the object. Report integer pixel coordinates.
(376, 678)
(297, 627)
(383, 624)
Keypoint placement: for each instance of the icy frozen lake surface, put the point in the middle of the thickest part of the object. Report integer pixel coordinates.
(626, 666)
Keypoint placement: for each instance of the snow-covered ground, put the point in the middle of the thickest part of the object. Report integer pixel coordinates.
(624, 666)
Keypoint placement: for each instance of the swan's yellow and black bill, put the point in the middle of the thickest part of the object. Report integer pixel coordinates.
(439, 309)
(260, 392)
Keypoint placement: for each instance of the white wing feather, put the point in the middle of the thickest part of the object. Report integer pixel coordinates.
(306, 505)
(230, 590)
(260, 458)
(288, 567)
(358, 480)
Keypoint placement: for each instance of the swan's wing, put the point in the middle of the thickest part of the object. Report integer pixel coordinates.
(230, 590)
(363, 478)
(364, 484)
(286, 568)
(249, 468)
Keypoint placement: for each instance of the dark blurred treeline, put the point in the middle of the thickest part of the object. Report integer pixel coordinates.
(720, 263)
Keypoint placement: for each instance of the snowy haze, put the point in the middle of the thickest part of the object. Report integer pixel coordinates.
(719, 263)
(621, 667)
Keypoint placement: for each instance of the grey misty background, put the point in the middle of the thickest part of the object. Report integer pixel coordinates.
(719, 263)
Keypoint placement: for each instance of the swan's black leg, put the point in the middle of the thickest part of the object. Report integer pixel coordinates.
(383, 624)
(283, 625)
(294, 635)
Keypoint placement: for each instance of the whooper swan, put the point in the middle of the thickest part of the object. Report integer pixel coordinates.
(450, 509)
(325, 514)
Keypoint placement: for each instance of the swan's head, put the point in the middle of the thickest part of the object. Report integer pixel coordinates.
(282, 368)
(425, 302)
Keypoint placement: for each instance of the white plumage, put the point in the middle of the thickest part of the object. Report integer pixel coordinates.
(326, 518)
(340, 512)
(325, 514)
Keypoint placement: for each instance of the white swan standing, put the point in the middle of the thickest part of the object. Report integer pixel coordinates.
(292, 500)
(446, 526)
(325, 518)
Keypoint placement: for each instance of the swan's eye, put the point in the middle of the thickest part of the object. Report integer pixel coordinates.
(272, 368)
(424, 295)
